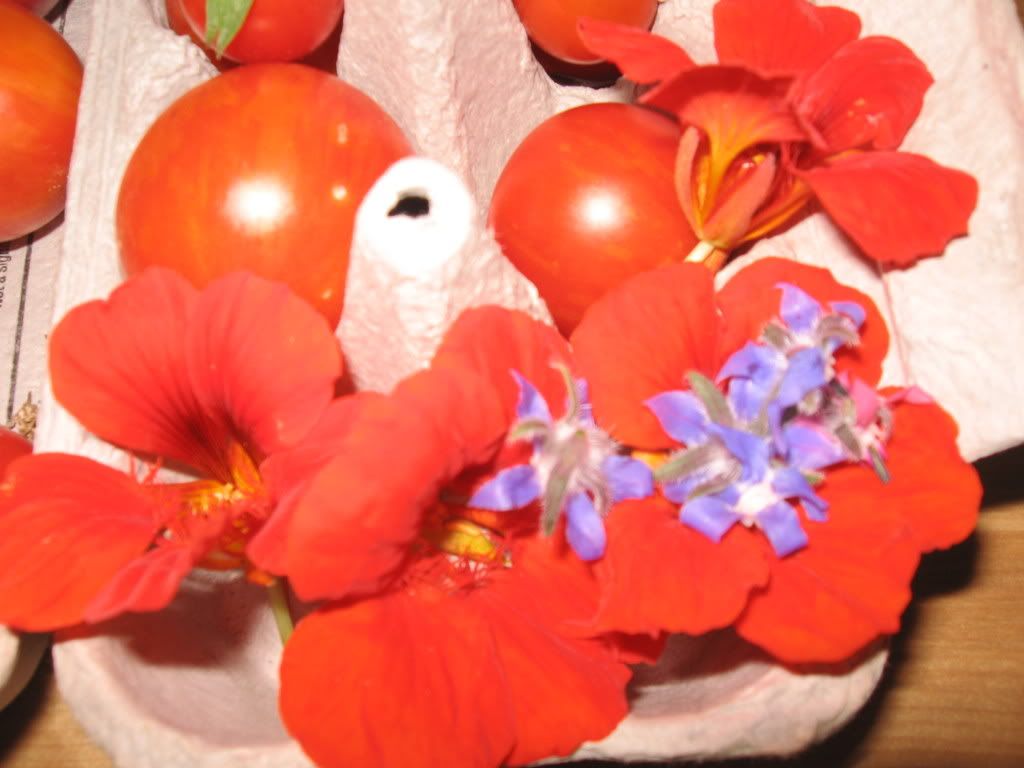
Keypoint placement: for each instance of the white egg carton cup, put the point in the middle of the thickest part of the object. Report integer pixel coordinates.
(195, 686)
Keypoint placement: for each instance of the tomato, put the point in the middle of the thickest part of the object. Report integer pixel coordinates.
(39, 7)
(551, 24)
(40, 79)
(587, 200)
(274, 30)
(261, 168)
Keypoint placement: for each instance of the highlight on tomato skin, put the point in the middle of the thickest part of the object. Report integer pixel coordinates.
(551, 24)
(40, 82)
(271, 162)
(587, 200)
(274, 30)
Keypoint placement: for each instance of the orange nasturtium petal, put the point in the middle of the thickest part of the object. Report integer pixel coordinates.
(641, 56)
(68, 525)
(867, 95)
(784, 37)
(262, 357)
(658, 574)
(401, 681)
(898, 207)
(656, 326)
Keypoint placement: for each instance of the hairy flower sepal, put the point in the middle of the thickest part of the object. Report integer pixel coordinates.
(575, 469)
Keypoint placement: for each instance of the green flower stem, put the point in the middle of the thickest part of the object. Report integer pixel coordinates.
(278, 593)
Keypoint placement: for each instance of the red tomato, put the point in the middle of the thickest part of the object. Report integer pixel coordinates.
(274, 30)
(587, 200)
(40, 7)
(551, 24)
(179, 24)
(261, 168)
(40, 79)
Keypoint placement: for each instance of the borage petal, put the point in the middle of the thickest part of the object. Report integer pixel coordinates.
(640, 56)
(68, 525)
(657, 326)
(751, 299)
(397, 681)
(784, 37)
(898, 207)
(867, 95)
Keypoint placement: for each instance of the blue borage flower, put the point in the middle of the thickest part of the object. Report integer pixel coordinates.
(786, 417)
(575, 468)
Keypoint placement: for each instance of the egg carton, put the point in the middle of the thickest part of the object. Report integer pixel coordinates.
(196, 684)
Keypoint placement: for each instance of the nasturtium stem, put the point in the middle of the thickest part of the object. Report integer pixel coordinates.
(278, 593)
(708, 254)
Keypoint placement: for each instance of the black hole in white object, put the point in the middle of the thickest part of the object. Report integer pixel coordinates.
(411, 204)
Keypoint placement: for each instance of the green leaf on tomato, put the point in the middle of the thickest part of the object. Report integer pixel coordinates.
(223, 20)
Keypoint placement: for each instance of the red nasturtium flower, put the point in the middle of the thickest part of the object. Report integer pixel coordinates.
(797, 109)
(845, 578)
(208, 382)
(446, 635)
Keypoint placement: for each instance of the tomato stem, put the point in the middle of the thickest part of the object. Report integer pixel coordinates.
(277, 591)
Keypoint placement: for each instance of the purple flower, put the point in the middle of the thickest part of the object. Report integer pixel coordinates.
(575, 469)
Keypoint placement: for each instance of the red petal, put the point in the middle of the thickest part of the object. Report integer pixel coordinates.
(730, 220)
(565, 689)
(397, 681)
(261, 359)
(896, 206)
(119, 367)
(287, 473)
(845, 589)
(657, 327)
(147, 583)
(750, 299)
(868, 94)
(932, 488)
(640, 56)
(784, 37)
(353, 525)
(734, 107)
(657, 574)
(67, 526)
(493, 340)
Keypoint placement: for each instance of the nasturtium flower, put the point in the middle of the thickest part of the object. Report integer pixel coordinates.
(445, 634)
(757, 404)
(209, 383)
(798, 109)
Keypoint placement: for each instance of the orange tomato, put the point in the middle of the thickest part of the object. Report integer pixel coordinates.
(587, 200)
(40, 7)
(40, 80)
(551, 24)
(274, 30)
(261, 168)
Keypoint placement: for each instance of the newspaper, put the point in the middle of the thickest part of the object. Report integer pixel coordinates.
(28, 273)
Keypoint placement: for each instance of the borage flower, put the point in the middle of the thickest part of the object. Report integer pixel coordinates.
(801, 497)
(452, 635)
(797, 109)
(207, 382)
